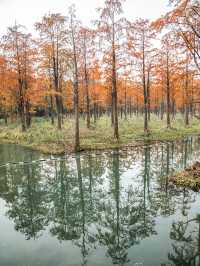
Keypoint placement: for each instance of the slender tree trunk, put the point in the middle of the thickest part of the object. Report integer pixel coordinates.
(95, 113)
(22, 106)
(76, 109)
(125, 103)
(168, 94)
(162, 106)
(187, 97)
(87, 106)
(28, 114)
(58, 101)
(114, 87)
(137, 106)
(76, 91)
(6, 118)
(56, 83)
(112, 109)
(86, 86)
(148, 95)
(146, 129)
(51, 110)
(21, 102)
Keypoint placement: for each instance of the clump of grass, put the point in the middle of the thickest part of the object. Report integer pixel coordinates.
(189, 178)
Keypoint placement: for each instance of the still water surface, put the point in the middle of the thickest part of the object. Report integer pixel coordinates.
(104, 209)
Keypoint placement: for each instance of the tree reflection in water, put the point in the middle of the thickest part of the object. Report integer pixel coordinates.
(27, 200)
(110, 202)
(185, 243)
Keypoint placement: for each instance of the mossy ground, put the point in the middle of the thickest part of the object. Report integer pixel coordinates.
(46, 138)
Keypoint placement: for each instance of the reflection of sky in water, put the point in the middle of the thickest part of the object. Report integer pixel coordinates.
(96, 207)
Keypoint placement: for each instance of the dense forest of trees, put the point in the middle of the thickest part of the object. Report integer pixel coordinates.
(117, 67)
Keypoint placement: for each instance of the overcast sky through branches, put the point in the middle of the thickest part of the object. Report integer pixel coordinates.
(27, 12)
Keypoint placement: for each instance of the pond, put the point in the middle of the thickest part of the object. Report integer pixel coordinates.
(99, 208)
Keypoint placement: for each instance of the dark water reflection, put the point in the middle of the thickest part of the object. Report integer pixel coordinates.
(114, 208)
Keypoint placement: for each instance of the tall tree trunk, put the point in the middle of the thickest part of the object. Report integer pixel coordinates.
(112, 109)
(114, 87)
(22, 106)
(95, 113)
(86, 86)
(125, 103)
(76, 109)
(187, 107)
(28, 114)
(146, 129)
(51, 110)
(6, 118)
(58, 96)
(87, 106)
(76, 91)
(168, 94)
(148, 95)
(21, 102)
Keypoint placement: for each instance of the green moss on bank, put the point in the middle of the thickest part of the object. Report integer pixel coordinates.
(46, 138)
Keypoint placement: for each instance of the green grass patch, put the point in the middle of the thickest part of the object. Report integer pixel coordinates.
(46, 138)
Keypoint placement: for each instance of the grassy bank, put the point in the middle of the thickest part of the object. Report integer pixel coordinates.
(46, 138)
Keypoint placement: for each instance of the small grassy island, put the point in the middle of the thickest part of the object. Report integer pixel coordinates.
(189, 178)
